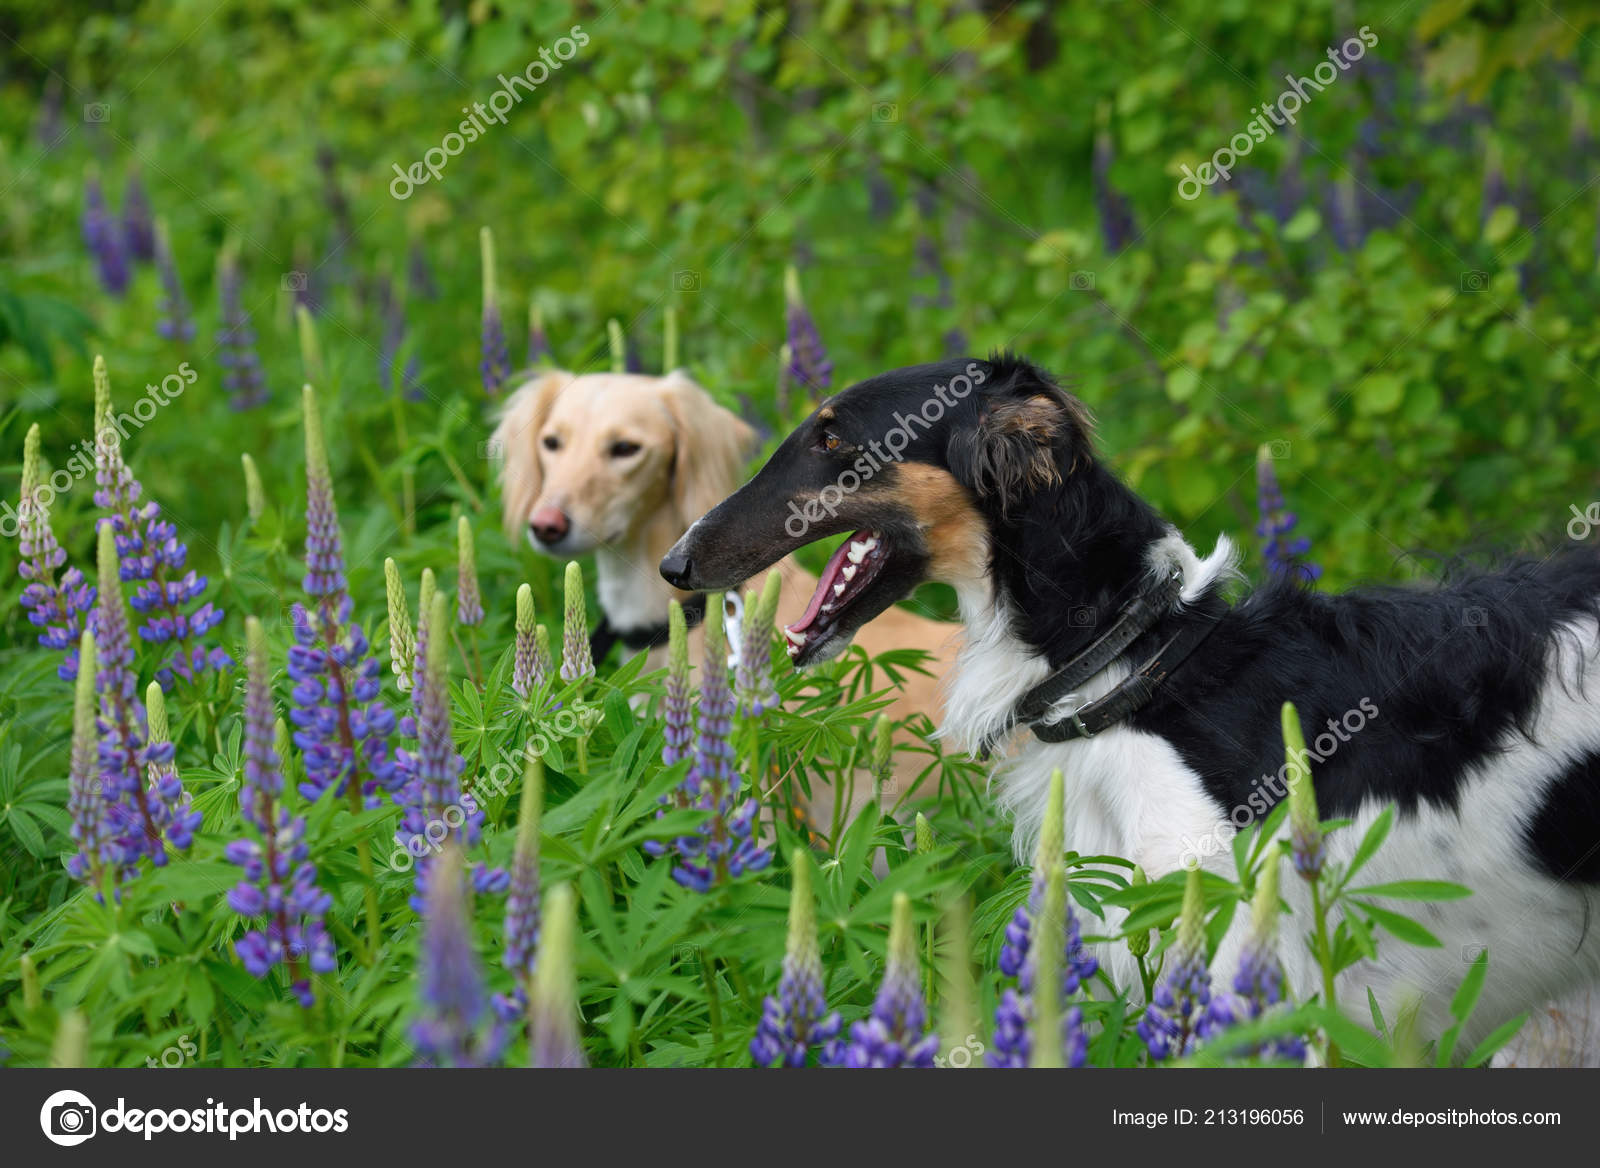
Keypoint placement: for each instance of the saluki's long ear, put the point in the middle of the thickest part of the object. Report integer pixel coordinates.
(516, 444)
(1021, 444)
(714, 444)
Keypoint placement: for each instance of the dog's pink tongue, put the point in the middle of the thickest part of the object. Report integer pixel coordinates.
(829, 578)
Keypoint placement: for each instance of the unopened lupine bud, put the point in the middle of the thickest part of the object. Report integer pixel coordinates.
(402, 642)
(1049, 944)
(71, 1045)
(553, 1012)
(310, 349)
(619, 346)
(255, 497)
(544, 663)
(538, 340)
(469, 603)
(753, 677)
(882, 746)
(1305, 826)
(1264, 908)
(32, 996)
(86, 800)
(923, 835)
(956, 992)
(669, 339)
(1052, 832)
(1139, 943)
(494, 363)
(524, 656)
(576, 661)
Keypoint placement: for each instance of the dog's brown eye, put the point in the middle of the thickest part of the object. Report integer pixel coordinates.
(831, 442)
(624, 449)
(551, 442)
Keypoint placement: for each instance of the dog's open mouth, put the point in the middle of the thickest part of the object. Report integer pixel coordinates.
(848, 575)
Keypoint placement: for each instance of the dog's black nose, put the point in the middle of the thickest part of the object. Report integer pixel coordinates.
(675, 567)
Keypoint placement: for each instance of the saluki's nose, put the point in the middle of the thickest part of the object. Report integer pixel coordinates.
(675, 567)
(549, 524)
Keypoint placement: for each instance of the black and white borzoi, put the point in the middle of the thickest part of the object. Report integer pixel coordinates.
(1099, 642)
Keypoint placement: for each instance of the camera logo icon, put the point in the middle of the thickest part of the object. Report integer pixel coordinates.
(294, 282)
(885, 111)
(97, 111)
(686, 280)
(68, 1118)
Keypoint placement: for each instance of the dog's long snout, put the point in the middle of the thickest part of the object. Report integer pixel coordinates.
(676, 567)
(549, 524)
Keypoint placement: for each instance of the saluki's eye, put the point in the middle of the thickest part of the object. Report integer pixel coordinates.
(831, 441)
(551, 442)
(624, 449)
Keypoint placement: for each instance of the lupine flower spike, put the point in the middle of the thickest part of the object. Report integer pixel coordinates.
(1058, 1038)
(163, 775)
(526, 674)
(341, 725)
(494, 365)
(782, 393)
(310, 349)
(86, 803)
(143, 821)
(103, 238)
(151, 554)
(576, 660)
(138, 231)
(469, 603)
(1305, 825)
(1116, 217)
(236, 338)
(553, 1013)
(753, 678)
(522, 899)
(669, 339)
(675, 705)
(538, 341)
(959, 1020)
(176, 322)
(402, 643)
(280, 882)
(1138, 943)
(1258, 984)
(56, 607)
(795, 1020)
(896, 1033)
(255, 495)
(1019, 958)
(456, 1027)
(619, 347)
(724, 848)
(1284, 555)
(1178, 1016)
(809, 366)
(425, 596)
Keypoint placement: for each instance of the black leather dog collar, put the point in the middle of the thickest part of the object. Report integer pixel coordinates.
(642, 637)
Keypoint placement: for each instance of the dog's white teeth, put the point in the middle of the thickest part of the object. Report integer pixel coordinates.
(794, 650)
(829, 607)
(857, 553)
(795, 639)
(871, 543)
(838, 589)
(849, 574)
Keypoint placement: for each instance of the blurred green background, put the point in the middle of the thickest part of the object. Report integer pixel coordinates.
(1398, 294)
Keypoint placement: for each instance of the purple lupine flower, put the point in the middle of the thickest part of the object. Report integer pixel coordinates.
(1177, 1013)
(1116, 216)
(57, 607)
(86, 801)
(753, 677)
(455, 1027)
(1258, 983)
(525, 661)
(138, 229)
(432, 773)
(103, 238)
(896, 1033)
(522, 898)
(419, 276)
(675, 705)
(176, 322)
(494, 366)
(236, 339)
(280, 882)
(341, 725)
(1013, 1043)
(553, 1010)
(1282, 554)
(393, 342)
(151, 555)
(143, 821)
(724, 848)
(809, 365)
(795, 1020)
(469, 602)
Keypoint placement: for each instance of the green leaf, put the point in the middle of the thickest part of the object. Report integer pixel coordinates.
(1415, 890)
(1371, 841)
(1404, 928)
(1491, 1045)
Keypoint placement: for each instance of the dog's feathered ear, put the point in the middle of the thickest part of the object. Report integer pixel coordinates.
(516, 445)
(1020, 444)
(713, 445)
